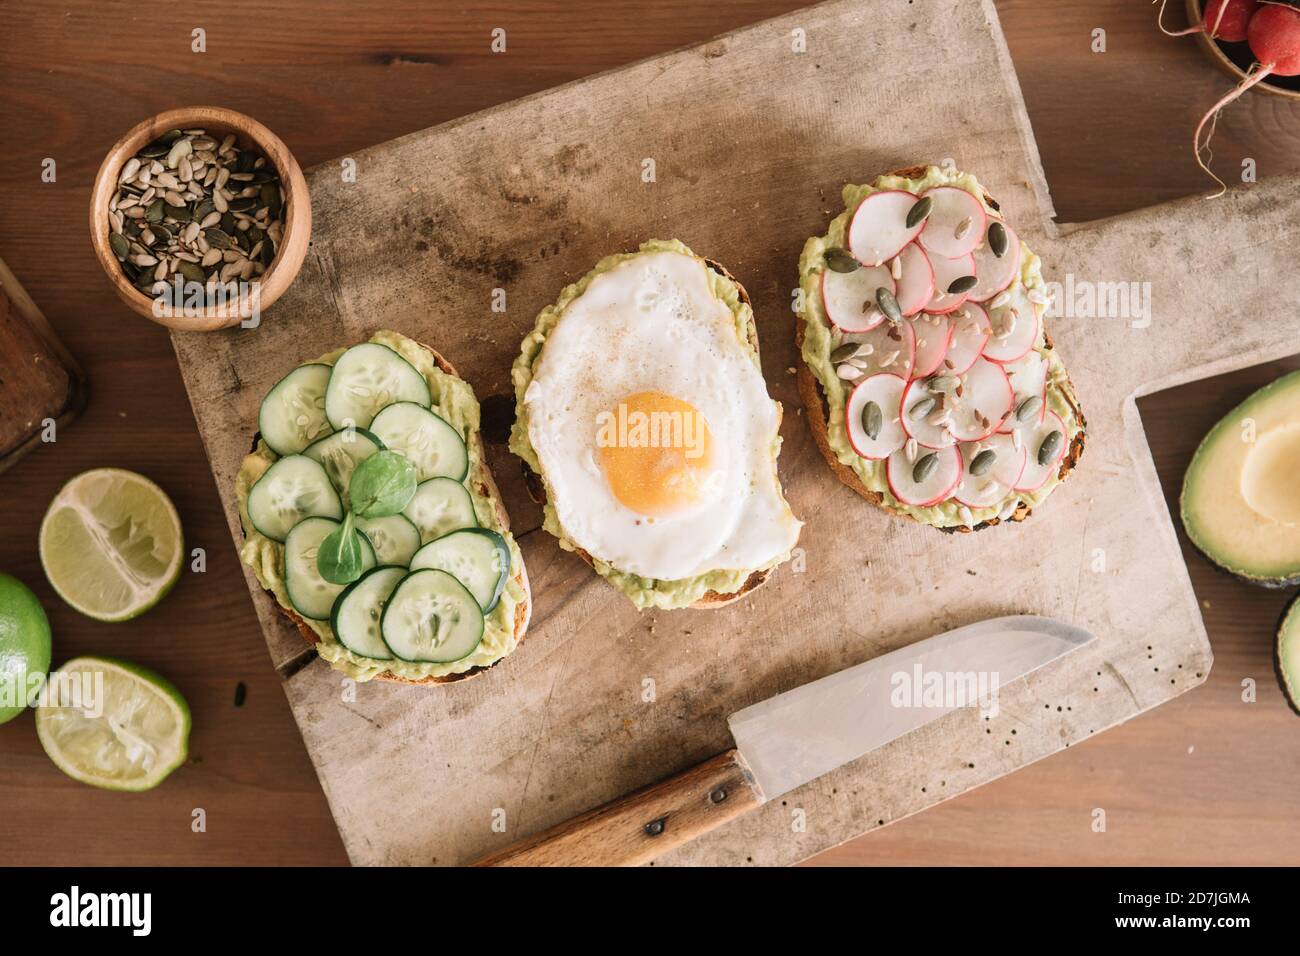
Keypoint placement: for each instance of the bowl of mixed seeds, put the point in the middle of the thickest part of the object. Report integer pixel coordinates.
(200, 218)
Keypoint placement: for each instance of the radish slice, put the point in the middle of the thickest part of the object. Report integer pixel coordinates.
(1028, 377)
(970, 330)
(916, 285)
(937, 485)
(878, 229)
(886, 391)
(1036, 475)
(955, 225)
(984, 402)
(933, 334)
(1015, 328)
(886, 348)
(850, 297)
(929, 429)
(995, 273)
(945, 271)
(982, 492)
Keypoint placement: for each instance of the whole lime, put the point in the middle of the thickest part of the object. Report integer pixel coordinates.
(24, 645)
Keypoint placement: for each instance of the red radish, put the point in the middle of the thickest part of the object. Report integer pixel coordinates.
(1028, 378)
(916, 279)
(947, 271)
(995, 273)
(984, 402)
(970, 330)
(1274, 38)
(1015, 328)
(886, 348)
(934, 488)
(878, 229)
(933, 334)
(886, 391)
(919, 406)
(955, 225)
(850, 297)
(1222, 20)
(1036, 475)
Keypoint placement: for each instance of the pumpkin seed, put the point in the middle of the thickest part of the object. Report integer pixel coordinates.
(1050, 446)
(872, 420)
(119, 245)
(942, 383)
(997, 238)
(844, 353)
(919, 211)
(961, 284)
(924, 467)
(1028, 408)
(268, 253)
(889, 305)
(155, 211)
(837, 260)
(922, 408)
(982, 462)
(217, 238)
(191, 272)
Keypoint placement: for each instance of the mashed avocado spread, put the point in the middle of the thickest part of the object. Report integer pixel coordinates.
(453, 400)
(821, 338)
(644, 592)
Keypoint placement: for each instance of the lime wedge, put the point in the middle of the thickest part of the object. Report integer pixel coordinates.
(112, 724)
(111, 544)
(24, 646)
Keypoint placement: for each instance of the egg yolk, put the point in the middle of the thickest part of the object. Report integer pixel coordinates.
(656, 453)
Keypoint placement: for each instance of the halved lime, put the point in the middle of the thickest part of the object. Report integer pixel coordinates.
(111, 544)
(24, 646)
(112, 724)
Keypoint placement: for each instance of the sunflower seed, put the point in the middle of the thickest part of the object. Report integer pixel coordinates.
(967, 518)
(962, 284)
(997, 237)
(919, 211)
(1000, 301)
(981, 463)
(896, 268)
(909, 449)
(179, 148)
(849, 373)
(837, 260)
(963, 227)
(1050, 446)
(129, 170)
(872, 420)
(1028, 408)
(210, 258)
(924, 467)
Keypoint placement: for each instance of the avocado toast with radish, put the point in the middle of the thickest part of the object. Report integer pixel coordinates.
(931, 385)
(369, 512)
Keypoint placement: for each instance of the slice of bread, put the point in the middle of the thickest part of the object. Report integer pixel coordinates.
(710, 599)
(818, 414)
(487, 489)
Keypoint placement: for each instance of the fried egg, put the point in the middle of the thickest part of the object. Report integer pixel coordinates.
(652, 423)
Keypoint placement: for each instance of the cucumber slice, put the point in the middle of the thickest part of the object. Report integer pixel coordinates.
(427, 441)
(293, 488)
(440, 506)
(292, 415)
(368, 377)
(340, 453)
(356, 614)
(476, 557)
(394, 538)
(309, 593)
(431, 617)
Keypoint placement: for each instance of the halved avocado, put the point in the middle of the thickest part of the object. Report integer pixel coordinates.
(1241, 495)
(1287, 656)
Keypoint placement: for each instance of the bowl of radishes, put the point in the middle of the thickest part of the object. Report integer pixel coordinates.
(1257, 41)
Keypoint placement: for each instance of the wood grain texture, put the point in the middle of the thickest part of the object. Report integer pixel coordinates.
(1204, 779)
(643, 826)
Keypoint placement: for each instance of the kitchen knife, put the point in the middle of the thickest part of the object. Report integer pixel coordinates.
(787, 740)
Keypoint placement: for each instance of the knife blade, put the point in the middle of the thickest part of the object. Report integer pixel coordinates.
(801, 734)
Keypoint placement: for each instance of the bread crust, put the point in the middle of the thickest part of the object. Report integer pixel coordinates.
(817, 412)
(523, 610)
(709, 599)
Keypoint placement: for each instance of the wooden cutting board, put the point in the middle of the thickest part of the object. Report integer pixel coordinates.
(751, 142)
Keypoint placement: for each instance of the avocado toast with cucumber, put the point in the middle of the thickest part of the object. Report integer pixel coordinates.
(932, 387)
(369, 512)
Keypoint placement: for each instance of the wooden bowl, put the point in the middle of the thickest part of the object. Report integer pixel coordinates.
(218, 122)
(1232, 68)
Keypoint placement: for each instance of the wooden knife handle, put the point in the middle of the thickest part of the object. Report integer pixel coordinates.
(637, 828)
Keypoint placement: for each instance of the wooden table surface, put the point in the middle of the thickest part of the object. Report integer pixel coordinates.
(1206, 779)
